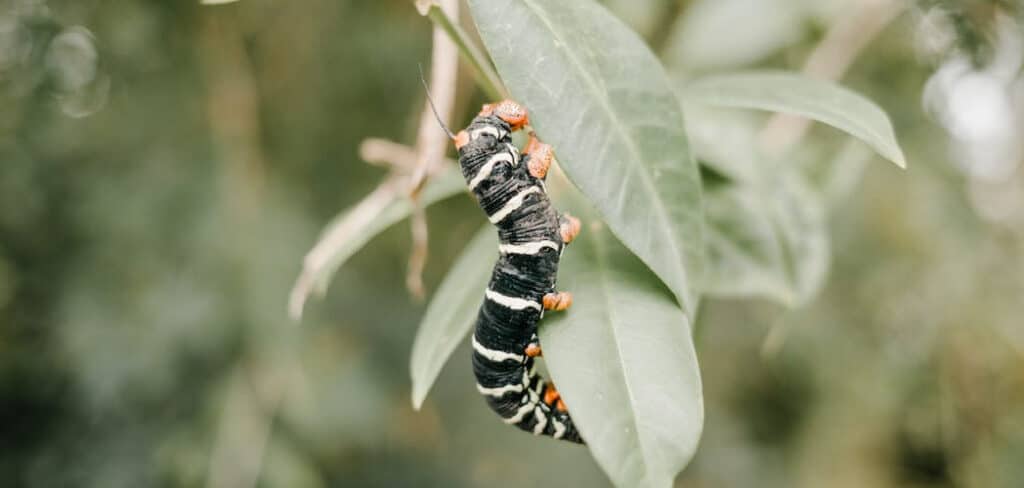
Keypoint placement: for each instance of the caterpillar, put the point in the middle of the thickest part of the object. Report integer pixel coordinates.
(509, 186)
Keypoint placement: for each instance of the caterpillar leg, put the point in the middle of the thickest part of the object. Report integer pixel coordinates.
(554, 399)
(540, 157)
(533, 348)
(569, 227)
(557, 301)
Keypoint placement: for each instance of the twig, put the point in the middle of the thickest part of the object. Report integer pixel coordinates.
(401, 159)
(317, 258)
(244, 426)
(382, 152)
(418, 255)
(431, 143)
(233, 107)
(843, 42)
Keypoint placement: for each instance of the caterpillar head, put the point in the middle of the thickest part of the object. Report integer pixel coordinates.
(511, 112)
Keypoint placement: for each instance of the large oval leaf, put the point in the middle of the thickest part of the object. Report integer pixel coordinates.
(797, 94)
(451, 312)
(601, 98)
(623, 359)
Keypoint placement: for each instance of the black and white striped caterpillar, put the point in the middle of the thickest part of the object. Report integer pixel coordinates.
(532, 236)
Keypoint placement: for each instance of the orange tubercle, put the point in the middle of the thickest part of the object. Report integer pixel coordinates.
(533, 350)
(509, 111)
(557, 301)
(570, 228)
(541, 156)
(551, 395)
(461, 139)
(531, 143)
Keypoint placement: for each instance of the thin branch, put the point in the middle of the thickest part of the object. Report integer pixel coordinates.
(232, 102)
(830, 60)
(382, 152)
(354, 221)
(419, 253)
(432, 143)
(410, 170)
(233, 111)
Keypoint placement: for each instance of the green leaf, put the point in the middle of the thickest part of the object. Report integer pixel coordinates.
(452, 312)
(599, 96)
(793, 93)
(707, 127)
(766, 240)
(623, 359)
(358, 228)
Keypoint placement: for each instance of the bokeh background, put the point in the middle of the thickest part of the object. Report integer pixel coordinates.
(164, 166)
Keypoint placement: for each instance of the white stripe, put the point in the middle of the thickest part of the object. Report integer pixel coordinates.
(486, 169)
(486, 130)
(528, 248)
(542, 421)
(512, 204)
(511, 302)
(559, 428)
(499, 392)
(494, 355)
(515, 154)
(521, 413)
(540, 381)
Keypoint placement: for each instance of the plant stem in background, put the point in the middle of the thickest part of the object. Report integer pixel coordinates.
(243, 429)
(431, 141)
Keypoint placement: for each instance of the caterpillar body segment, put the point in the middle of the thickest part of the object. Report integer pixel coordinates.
(509, 187)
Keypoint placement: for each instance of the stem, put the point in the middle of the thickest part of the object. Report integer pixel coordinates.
(485, 75)
(431, 144)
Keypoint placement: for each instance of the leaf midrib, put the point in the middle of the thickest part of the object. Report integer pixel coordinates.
(602, 267)
(633, 150)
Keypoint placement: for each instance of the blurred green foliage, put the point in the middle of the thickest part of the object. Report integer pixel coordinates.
(164, 167)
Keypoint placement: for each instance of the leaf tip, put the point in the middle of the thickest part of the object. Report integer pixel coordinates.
(423, 6)
(900, 161)
(418, 397)
(297, 298)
